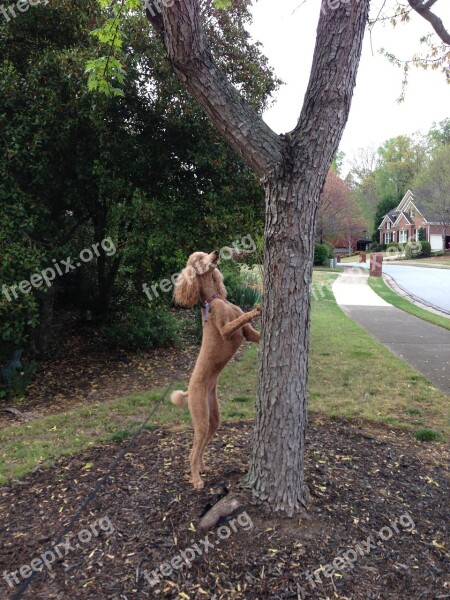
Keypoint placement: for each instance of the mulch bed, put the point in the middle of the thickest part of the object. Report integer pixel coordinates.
(363, 478)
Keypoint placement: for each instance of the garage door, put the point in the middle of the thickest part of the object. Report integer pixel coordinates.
(436, 241)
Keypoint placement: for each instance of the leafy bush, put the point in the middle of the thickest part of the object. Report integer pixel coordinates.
(143, 329)
(321, 253)
(426, 249)
(422, 234)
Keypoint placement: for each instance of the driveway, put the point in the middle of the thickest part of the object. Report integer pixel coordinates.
(432, 286)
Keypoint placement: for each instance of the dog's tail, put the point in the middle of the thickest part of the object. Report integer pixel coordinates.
(179, 398)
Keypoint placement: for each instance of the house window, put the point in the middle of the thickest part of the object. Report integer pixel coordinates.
(402, 236)
(412, 212)
(387, 238)
(388, 225)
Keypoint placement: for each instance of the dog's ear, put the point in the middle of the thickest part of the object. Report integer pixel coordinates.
(218, 281)
(186, 291)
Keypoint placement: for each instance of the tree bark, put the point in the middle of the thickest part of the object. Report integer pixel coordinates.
(293, 169)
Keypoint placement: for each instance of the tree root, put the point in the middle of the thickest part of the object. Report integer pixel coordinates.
(224, 508)
(243, 497)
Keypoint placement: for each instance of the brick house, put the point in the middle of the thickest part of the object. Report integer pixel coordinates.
(402, 224)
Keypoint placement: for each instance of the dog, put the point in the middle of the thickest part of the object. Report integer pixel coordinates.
(224, 328)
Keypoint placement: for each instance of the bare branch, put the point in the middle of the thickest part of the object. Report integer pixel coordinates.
(190, 55)
(424, 11)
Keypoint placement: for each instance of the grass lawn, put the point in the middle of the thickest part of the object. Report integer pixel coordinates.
(380, 288)
(355, 258)
(443, 261)
(351, 376)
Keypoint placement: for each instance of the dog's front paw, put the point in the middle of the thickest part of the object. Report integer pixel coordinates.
(257, 310)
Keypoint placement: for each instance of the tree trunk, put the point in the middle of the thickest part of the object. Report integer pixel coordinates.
(293, 168)
(276, 467)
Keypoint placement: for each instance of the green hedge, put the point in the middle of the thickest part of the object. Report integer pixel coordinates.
(426, 249)
(321, 254)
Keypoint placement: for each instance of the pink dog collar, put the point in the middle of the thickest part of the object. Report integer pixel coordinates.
(206, 304)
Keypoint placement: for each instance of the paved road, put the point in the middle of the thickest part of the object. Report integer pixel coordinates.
(431, 285)
(425, 346)
(427, 284)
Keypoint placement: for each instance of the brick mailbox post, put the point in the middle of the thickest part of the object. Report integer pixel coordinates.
(376, 265)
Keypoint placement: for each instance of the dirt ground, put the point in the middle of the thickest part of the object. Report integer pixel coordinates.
(380, 514)
(85, 369)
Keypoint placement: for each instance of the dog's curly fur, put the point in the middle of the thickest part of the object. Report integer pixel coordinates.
(223, 333)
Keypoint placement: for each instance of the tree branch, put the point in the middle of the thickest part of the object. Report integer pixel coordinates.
(192, 60)
(332, 80)
(424, 11)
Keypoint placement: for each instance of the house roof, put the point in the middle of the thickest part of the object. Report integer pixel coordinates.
(389, 216)
(419, 202)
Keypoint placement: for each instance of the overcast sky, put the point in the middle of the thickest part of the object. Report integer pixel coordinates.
(287, 33)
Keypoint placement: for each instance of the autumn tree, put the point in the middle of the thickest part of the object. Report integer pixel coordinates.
(336, 208)
(292, 169)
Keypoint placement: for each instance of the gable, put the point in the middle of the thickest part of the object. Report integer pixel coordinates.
(408, 197)
(384, 221)
(403, 219)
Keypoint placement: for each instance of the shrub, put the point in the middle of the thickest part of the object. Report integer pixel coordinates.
(412, 250)
(321, 253)
(426, 249)
(143, 329)
(17, 381)
(428, 435)
(422, 234)
(242, 285)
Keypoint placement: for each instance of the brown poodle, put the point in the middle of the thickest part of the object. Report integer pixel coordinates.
(224, 328)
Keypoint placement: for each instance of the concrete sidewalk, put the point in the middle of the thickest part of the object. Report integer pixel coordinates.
(425, 346)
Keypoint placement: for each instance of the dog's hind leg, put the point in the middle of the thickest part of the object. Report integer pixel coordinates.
(199, 408)
(214, 420)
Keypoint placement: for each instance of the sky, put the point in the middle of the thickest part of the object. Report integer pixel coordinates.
(287, 34)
